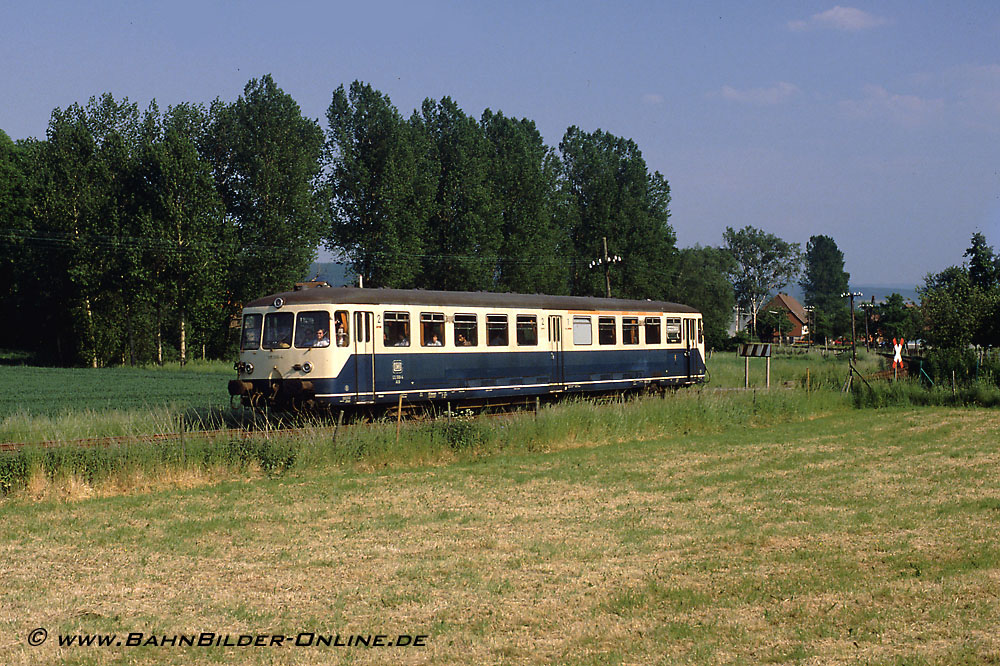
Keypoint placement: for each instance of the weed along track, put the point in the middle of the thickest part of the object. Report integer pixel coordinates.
(121, 461)
(89, 442)
(318, 425)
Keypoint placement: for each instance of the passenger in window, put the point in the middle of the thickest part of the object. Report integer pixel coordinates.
(461, 341)
(434, 341)
(321, 339)
(341, 335)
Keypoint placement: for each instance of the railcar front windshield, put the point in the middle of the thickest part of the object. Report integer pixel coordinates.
(251, 331)
(278, 330)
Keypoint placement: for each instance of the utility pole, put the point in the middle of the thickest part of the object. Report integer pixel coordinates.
(606, 261)
(867, 307)
(854, 347)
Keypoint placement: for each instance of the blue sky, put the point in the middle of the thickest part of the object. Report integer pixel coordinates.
(875, 123)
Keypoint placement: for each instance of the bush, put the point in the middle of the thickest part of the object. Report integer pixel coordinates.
(464, 432)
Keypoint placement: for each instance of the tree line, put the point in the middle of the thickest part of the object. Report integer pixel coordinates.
(134, 236)
(131, 236)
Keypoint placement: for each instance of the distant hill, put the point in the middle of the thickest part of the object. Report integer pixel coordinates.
(334, 272)
(879, 291)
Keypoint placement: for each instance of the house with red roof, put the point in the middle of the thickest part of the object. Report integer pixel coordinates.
(796, 314)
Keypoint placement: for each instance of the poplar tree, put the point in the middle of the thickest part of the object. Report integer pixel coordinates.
(611, 194)
(182, 218)
(266, 162)
(379, 195)
(464, 228)
(523, 175)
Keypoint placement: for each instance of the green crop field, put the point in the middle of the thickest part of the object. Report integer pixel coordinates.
(734, 528)
(53, 391)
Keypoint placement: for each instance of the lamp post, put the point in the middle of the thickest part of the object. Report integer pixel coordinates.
(854, 348)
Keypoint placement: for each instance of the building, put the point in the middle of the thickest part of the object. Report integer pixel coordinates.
(796, 314)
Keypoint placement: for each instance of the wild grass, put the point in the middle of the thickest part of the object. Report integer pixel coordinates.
(813, 370)
(575, 423)
(984, 393)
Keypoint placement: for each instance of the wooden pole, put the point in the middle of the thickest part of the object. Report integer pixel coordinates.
(607, 268)
(399, 416)
(336, 429)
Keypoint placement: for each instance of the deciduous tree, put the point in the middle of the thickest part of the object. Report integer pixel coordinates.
(611, 194)
(464, 229)
(702, 282)
(266, 161)
(764, 263)
(523, 175)
(378, 197)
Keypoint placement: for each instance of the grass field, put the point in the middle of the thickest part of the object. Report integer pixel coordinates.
(807, 532)
(39, 391)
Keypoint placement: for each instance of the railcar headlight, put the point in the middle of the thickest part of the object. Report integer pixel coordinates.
(248, 368)
(307, 367)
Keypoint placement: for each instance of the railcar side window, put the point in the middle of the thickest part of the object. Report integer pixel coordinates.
(496, 330)
(582, 333)
(606, 330)
(278, 330)
(466, 330)
(251, 331)
(340, 330)
(527, 330)
(431, 329)
(673, 330)
(630, 330)
(652, 330)
(396, 332)
(701, 331)
(312, 329)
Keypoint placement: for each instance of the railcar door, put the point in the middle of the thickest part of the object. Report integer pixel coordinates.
(691, 345)
(364, 357)
(556, 373)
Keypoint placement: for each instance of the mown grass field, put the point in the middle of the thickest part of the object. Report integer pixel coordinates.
(739, 528)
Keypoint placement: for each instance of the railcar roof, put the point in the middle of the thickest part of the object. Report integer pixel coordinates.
(354, 295)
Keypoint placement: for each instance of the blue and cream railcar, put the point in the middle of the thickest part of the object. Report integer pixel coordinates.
(345, 346)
